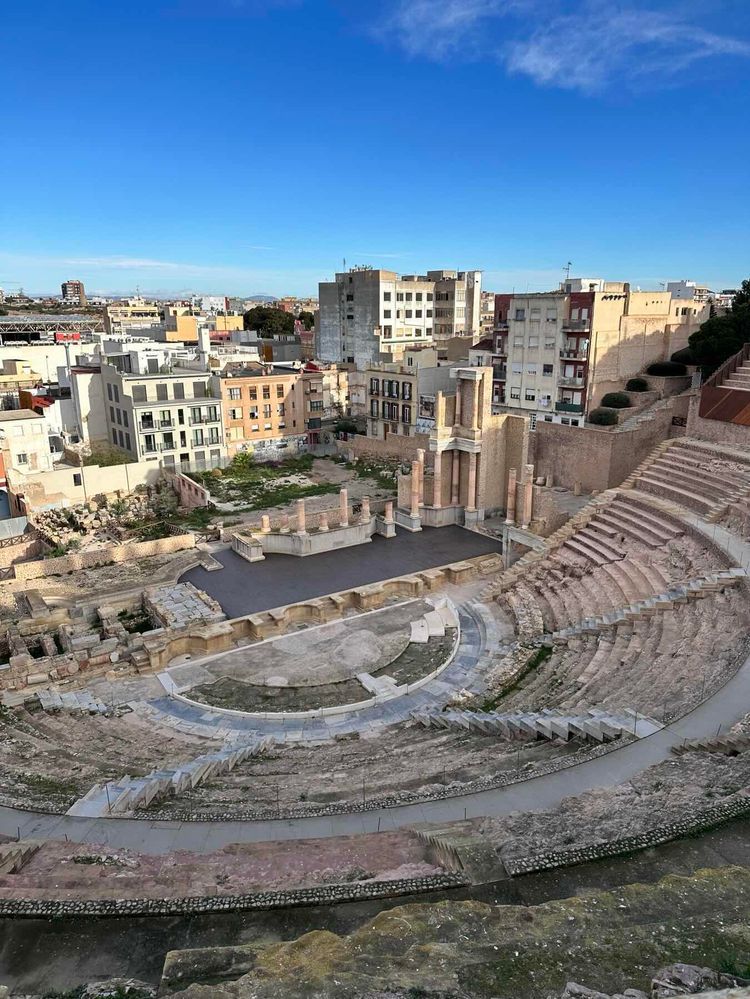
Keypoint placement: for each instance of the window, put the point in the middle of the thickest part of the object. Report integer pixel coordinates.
(280, 411)
(520, 315)
(374, 386)
(428, 314)
(235, 393)
(373, 407)
(515, 393)
(267, 412)
(530, 395)
(418, 314)
(549, 344)
(429, 296)
(408, 313)
(350, 298)
(535, 315)
(199, 390)
(399, 296)
(408, 296)
(387, 314)
(77, 479)
(139, 393)
(531, 369)
(316, 405)
(516, 367)
(279, 391)
(266, 391)
(406, 414)
(551, 315)
(533, 341)
(22, 459)
(406, 390)
(386, 296)
(197, 438)
(127, 441)
(161, 393)
(253, 393)
(235, 414)
(547, 370)
(178, 390)
(112, 414)
(125, 418)
(116, 393)
(518, 341)
(253, 413)
(418, 297)
(387, 331)
(150, 444)
(109, 392)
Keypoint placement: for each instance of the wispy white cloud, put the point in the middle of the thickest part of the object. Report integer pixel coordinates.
(120, 263)
(584, 47)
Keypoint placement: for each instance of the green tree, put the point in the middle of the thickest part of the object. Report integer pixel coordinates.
(307, 319)
(269, 322)
(722, 336)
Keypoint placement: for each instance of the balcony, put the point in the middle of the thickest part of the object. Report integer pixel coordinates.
(569, 407)
(196, 421)
(148, 425)
(577, 325)
(571, 382)
(166, 424)
(573, 355)
(168, 447)
(499, 372)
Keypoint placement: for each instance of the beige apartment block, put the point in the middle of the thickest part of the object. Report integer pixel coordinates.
(556, 354)
(24, 443)
(263, 410)
(121, 317)
(401, 398)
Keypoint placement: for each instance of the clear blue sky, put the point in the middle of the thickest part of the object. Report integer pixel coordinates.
(240, 146)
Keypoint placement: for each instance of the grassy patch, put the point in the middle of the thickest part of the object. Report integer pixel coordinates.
(382, 472)
(49, 786)
(257, 486)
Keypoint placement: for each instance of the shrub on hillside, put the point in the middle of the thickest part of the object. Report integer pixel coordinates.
(616, 400)
(666, 369)
(603, 417)
(637, 385)
(684, 356)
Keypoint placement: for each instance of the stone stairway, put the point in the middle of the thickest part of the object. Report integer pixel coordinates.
(729, 745)
(695, 589)
(647, 415)
(739, 379)
(74, 702)
(131, 793)
(434, 623)
(592, 726)
(13, 856)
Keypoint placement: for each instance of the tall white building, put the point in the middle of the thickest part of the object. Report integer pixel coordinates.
(365, 313)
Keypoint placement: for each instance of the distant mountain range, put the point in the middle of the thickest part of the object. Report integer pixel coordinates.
(260, 297)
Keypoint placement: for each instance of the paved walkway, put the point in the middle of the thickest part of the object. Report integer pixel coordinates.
(246, 588)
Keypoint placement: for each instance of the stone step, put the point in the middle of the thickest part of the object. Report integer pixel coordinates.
(662, 486)
(593, 726)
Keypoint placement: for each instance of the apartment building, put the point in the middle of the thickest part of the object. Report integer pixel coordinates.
(134, 315)
(24, 443)
(556, 354)
(73, 292)
(263, 409)
(365, 313)
(487, 313)
(171, 418)
(401, 398)
(690, 291)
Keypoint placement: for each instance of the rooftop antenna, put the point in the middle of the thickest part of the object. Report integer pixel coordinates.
(566, 268)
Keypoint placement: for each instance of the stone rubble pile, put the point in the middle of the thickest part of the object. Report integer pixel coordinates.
(676, 980)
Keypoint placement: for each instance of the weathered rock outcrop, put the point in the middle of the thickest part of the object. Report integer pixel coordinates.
(469, 950)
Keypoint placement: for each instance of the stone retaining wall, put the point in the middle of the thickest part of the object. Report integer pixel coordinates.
(103, 556)
(707, 819)
(324, 895)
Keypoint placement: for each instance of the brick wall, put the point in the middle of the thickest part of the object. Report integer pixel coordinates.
(103, 556)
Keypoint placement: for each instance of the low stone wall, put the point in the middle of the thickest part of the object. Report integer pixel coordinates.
(324, 895)
(394, 446)
(27, 548)
(111, 554)
(700, 822)
(191, 495)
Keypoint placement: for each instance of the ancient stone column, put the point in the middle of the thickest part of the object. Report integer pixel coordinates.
(323, 521)
(365, 518)
(284, 528)
(265, 524)
(528, 496)
(457, 418)
(437, 480)
(301, 521)
(475, 405)
(415, 469)
(388, 515)
(456, 480)
(471, 496)
(510, 513)
(344, 507)
(420, 459)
